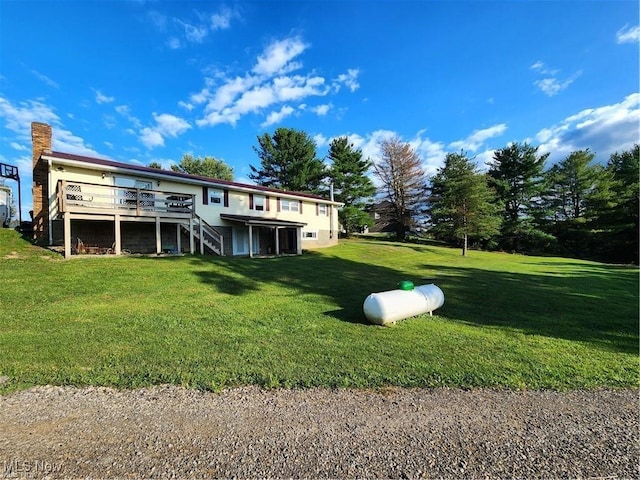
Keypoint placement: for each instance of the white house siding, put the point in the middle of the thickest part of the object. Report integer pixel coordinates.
(324, 227)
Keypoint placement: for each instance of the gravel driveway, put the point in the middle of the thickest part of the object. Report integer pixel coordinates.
(169, 431)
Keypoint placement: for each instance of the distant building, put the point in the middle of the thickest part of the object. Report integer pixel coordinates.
(383, 221)
(5, 206)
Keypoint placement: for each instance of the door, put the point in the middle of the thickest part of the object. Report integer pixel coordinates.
(241, 241)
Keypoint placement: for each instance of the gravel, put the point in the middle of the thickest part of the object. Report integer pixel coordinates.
(173, 432)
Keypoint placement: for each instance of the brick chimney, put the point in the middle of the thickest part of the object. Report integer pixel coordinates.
(41, 141)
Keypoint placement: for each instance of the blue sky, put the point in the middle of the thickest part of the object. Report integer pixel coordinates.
(143, 81)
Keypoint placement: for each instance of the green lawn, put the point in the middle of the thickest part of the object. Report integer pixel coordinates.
(208, 322)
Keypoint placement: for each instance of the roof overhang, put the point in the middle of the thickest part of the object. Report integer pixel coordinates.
(260, 221)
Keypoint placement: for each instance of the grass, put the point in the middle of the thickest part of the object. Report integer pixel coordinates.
(209, 322)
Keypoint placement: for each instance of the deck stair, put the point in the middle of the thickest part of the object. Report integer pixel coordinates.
(208, 236)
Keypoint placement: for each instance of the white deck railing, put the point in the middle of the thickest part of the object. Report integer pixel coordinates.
(79, 197)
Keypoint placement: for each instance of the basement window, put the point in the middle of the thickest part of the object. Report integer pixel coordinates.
(310, 234)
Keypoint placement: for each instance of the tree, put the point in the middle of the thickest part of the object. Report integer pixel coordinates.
(352, 186)
(288, 161)
(516, 176)
(568, 187)
(613, 208)
(155, 165)
(461, 203)
(205, 167)
(404, 182)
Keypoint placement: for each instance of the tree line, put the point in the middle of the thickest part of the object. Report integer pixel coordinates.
(576, 207)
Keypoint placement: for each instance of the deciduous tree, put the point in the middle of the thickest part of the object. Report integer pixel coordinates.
(206, 167)
(403, 182)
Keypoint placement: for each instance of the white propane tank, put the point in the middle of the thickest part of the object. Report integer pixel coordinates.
(389, 307)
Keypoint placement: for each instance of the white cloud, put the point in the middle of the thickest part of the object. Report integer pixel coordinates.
(125, 111)
(277, 117)
(474, 141)
(18, 118)
(174, 43)
(349, 79)
(255, 99)
(167, 125)
(551, 85)
(150, 138)
(628, 34)
(604, 130)
(266, 86)
(158, 20)
(186, 105)
(101, 98)
(216, 118)
(320, 140)
(19, 147)
(278, 56)
(541, 68)
(321, 110)
(193, 33)
(170, 125)
(222, 19)
(45, 79)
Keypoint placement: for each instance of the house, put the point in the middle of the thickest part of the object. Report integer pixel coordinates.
(383, 219)
(93, 205)
(5, 206)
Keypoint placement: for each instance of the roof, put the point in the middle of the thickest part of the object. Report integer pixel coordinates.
(261, 221)
(155, 172)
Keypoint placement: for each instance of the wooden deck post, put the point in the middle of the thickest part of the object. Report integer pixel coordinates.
(192, 247)
(178, 238)
(250, 241)
(277, 252)
(201, 234)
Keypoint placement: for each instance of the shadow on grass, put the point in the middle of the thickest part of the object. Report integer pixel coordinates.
(346, 283)
(591, 303)
(595, 304)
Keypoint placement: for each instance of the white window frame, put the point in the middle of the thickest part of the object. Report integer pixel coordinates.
(259, 202)
(322, 209)
(289, 205)
(215, 196)
(309, 235)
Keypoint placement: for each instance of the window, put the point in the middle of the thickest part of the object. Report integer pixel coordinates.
(289, 205)
(310, 235)
(215, 196)
(258, 202)
(322, 209)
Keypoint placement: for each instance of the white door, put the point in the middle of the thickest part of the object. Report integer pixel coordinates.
(241, 241)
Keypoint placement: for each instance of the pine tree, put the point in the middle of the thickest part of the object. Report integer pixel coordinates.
(516, 176)
(462, 205)
(288, 161)
(352, 186)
